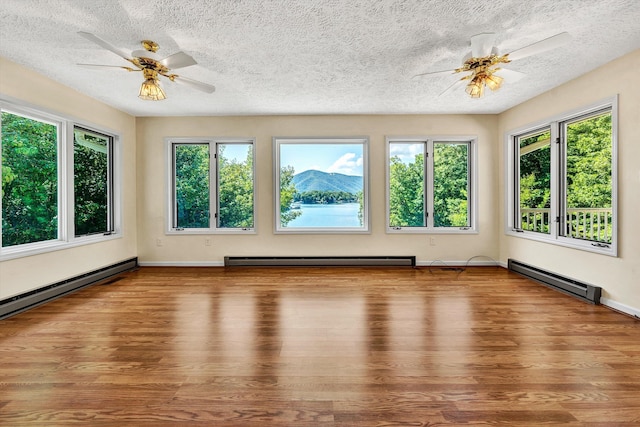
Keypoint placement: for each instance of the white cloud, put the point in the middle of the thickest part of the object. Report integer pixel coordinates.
(348, 164)
(406, 152)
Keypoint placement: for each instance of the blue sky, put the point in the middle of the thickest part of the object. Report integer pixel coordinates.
(339, 158)
(406, 151)
(236, 151)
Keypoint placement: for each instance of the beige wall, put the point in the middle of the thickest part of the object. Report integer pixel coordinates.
(24, 274)
(619, 277)
(144, 177)
(188, 248)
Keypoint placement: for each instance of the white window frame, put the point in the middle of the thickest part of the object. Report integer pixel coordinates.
(66, 221)
(278, 141)
(472, 198)
(511, 177)
(213, 143)
(110, 181)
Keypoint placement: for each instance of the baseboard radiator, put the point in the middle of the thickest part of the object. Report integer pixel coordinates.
(316, 261)
(19, 303)
(583, 291)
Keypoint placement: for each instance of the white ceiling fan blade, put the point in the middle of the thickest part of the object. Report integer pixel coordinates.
(178, 60)
(434, 73)
(204, 87)
(541, 46)
(106, 66)
(510, 75)
(97, 40)
(482, 44)
(454, 86)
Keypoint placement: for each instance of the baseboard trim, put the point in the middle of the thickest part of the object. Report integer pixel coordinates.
(617, 306)
(28, 300)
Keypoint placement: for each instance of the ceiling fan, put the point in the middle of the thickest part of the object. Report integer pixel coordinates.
(483, 61)
(152, 66)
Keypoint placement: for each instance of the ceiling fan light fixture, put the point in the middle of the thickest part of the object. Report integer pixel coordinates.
(494, 82)
(475, 88)
(150, 90)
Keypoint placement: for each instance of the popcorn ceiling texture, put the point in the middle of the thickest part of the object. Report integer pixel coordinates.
(313, 56)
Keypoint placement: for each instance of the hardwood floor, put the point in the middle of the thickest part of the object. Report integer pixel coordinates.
(319, 347)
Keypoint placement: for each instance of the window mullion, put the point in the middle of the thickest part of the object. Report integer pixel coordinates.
(471, 207)
(516, 216)
(429, 185)
(66, 180)
(214, 187)
(557, 214)
(174, 199)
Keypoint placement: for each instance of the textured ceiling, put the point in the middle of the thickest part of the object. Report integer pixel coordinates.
(313, 56)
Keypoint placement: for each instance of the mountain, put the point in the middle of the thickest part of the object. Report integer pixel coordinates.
(313, 180)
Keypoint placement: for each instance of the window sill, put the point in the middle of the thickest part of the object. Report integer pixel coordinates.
(321, 231)
(582, 245)
(207, 231)
(424, 230)
(52, 246)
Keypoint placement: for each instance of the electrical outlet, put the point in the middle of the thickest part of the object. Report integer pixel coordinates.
(158, 242)
(432, 241)
(207, 242)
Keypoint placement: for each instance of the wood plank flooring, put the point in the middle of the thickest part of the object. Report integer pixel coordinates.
(329, 347)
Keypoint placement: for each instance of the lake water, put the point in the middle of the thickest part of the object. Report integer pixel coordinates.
(333, 215)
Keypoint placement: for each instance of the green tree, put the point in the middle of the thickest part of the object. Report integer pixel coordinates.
(287, 196)
(589, 183)
(406, 193)
(450, 185)
(192, 185)
(360, 197)
(29, 180)
(90, 168)
(325, 197)
(535, 180)
(535, 173)
(235, 190)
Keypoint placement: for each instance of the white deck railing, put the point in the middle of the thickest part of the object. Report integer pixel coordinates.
(582, 223)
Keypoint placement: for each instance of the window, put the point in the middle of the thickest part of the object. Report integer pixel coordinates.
(451, 162)
(562, 180)
(30, 171)
(321, 185)
(430, 185)
(534, 175)
(212, 186)
(93, 182)
(58, 182)
(191, 186)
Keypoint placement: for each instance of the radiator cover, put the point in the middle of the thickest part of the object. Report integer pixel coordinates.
(19, 303)
(566, 285)
(318, 261)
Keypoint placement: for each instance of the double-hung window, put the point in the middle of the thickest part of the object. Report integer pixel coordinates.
(561, 184)
(431, 185)
(58, 182)
(212, 186)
